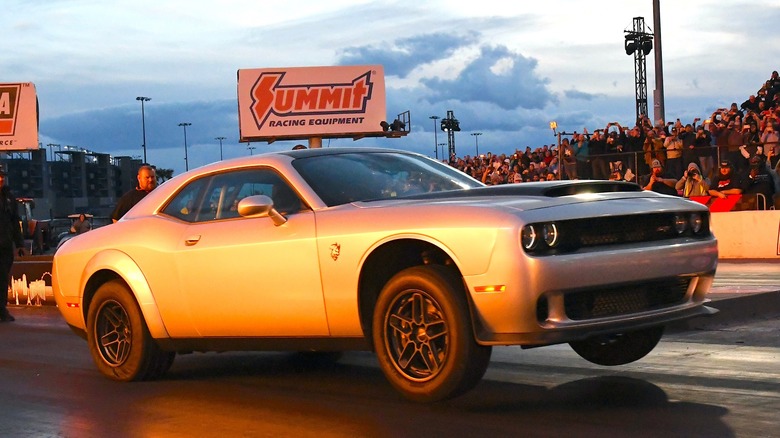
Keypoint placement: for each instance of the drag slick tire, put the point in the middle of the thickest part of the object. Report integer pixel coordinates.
(423, 335)
(118, 338)
(618, 349)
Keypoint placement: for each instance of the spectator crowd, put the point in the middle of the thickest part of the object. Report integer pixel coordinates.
(736, 150)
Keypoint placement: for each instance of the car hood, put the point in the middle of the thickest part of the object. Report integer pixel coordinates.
(528, 196)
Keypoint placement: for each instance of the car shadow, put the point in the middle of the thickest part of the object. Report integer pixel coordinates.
(604, 406)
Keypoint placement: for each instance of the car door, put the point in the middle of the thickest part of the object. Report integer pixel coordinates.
(246, 276)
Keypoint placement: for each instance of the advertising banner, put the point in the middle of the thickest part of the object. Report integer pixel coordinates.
(305, 102)
(18, 117)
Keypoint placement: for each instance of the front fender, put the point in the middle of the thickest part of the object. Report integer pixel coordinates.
(125, 267)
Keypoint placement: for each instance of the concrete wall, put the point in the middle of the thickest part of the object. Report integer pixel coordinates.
(747, 234)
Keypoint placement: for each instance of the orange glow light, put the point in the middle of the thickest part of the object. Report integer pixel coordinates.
(493, 288)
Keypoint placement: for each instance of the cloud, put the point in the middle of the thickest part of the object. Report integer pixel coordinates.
(498, 76)
(581, 95)
(402, 56)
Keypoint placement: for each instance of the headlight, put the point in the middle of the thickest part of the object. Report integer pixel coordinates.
(550, 234)
(528, 237)
(680, 223)
(696, 222)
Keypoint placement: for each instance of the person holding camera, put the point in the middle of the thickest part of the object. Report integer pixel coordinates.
(693, 183)
(657, 182)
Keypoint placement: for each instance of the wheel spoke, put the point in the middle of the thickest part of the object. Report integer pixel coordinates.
(418, 309)
(406, 356)
(436, 330)
(400, 324)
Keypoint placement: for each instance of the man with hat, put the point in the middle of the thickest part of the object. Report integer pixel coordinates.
(656, 181)
(727, 181)
(10, 237)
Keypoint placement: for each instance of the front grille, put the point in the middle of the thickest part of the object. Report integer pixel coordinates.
(625, 299)
(620, 230)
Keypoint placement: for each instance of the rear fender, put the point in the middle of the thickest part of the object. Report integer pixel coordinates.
(125, 267)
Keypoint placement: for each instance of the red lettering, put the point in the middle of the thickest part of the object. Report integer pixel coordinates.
(270, 96)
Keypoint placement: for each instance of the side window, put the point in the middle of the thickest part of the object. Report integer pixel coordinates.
(185, 205)
(216, 197)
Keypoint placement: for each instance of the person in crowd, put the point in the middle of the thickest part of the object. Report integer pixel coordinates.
(653, 148)
(674, 148)
(734, 112)
(11, 242)
(81, 225)
(634, 141)
(734, 139)
(492, 174)
(657, 181)
(693, 182)
(580, 147)
(147, 181)
(705, 151)
(687, 135)
(727, 181)
(569, 160)
(751, 104)
(751, 134)
(598, 148)
(760, 182)
(771, 142)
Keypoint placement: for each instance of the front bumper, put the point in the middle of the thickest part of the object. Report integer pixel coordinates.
(565, 298)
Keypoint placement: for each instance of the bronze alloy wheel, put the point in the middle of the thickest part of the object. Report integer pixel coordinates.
(416, 335)
(118, 338)
(423, 337)
(113, 333)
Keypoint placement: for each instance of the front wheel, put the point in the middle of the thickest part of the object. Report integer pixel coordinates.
(118, 338)
(618, 349)
(423, 335)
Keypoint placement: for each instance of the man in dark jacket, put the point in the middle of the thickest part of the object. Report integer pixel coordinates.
(11, 241)
(147, 181)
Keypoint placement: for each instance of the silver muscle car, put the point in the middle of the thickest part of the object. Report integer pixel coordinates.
(328, 250)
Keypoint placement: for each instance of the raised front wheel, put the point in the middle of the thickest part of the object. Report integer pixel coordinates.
(618, 349)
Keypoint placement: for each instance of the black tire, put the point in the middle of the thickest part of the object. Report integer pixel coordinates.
(618, 349)
(423, 335)
(118, 338)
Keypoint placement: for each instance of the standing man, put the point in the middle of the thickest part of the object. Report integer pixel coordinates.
(147, 181)
(10, 236)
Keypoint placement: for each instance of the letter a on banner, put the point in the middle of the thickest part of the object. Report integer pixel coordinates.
(18, 117)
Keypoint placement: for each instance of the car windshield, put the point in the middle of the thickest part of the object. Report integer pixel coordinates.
(367, 176)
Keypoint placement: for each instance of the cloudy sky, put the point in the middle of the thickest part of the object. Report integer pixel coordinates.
(505, 68)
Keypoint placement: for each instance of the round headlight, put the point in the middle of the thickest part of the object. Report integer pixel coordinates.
(550, 234)
(529, 237)
(680, 223)
(696, 222)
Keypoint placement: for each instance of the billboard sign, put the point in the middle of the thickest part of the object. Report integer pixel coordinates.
(305, 102)
(18, 117)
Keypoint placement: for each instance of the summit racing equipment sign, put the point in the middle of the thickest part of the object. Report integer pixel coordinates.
(304, 102)
(18, 117)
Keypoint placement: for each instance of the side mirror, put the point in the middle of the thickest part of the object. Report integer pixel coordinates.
(260, 206)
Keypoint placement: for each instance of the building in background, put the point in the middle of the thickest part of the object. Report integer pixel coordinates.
(76, 181)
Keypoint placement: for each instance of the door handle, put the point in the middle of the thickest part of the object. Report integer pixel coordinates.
(192, 240)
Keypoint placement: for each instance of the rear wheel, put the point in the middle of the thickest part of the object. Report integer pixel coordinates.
(618, 349)
(118, 338)
(423, 335)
